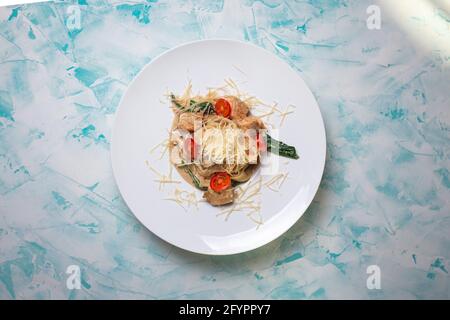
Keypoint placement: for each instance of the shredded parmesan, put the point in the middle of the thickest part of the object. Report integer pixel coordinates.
(161, 144)
(276, 182)
(162, 178)
(184, 198)
(240, 70)
(284, 114)
(245, 199)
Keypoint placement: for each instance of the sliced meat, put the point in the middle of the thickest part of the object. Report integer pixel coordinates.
(207, 171)
(239, 109)
(203, 181)
(219, 198)
(187, 119)
(251, 122)
(244, 175)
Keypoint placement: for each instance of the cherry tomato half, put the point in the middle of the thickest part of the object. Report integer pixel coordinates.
(220, 181)
(260, 143)
(190, 147)
(223, 108)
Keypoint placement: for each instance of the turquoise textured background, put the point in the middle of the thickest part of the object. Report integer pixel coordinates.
(384, 198)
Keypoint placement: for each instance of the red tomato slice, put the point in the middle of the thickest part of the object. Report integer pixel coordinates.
(220, 181)
(190, 147)
(223, 108)
(260, 143)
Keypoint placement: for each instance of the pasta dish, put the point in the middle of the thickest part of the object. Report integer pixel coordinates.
(216, 143)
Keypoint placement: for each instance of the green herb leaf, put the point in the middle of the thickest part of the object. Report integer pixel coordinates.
(204, 107)
(195, 180)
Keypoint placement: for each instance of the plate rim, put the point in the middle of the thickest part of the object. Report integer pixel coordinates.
(278, 233)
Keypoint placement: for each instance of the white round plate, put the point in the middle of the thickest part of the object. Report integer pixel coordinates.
(144, 118)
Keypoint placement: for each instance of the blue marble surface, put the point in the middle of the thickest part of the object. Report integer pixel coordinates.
(384, 198)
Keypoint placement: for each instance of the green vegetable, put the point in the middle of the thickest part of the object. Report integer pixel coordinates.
(281, 148)
(204, 107)
(194, 178)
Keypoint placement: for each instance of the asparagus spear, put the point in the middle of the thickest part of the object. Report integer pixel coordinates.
(281, 148)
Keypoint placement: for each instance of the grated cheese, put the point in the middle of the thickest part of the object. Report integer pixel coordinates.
(163, 179)
(240, 70)
(285, 113)
(244, 200)
(276, 181)
(184, 198)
